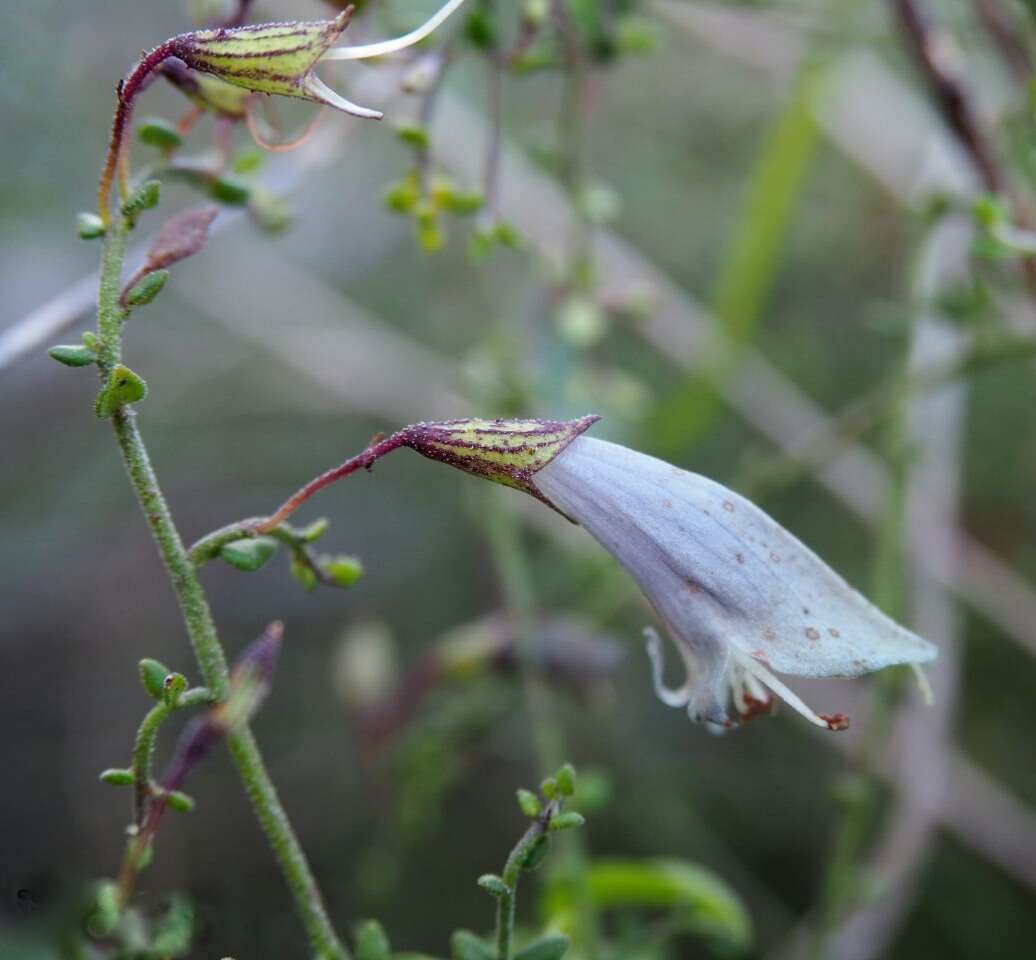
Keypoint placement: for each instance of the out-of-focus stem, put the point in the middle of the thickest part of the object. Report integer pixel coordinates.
(512, 567)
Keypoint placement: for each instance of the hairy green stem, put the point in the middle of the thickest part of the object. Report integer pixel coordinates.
(143, 751)
(516, 860)
(198, 619)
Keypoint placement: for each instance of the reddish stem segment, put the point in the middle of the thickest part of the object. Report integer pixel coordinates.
(125, 93)
(364, 460)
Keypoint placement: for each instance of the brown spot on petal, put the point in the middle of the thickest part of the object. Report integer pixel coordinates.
(728, 506)
(812, 633)
(740, 558)
(668, 504)
(833, 632)
(769, 636)
(775, 557)
(835, 721)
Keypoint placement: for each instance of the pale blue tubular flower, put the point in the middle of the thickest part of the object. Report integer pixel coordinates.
(740, 595)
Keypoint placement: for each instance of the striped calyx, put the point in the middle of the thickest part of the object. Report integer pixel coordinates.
(275, 58)
(505, 451)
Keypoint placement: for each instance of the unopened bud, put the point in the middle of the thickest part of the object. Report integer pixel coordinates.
(117, 776)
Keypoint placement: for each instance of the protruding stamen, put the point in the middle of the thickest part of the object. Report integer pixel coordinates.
(837, 721)
(670, 697)
(365, 50)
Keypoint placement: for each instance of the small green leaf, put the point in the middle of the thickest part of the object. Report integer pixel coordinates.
(174, 931)
(123, 387)
(117, 776)
(464, 945)
(567, 821)
(536, 853)
(549, 788)
(303, 572)
(249, 554)
(343, 571)
(414, 135)
(314, 531)
(249, 160)
(160, 133)
(180, 801)
(73, 355)
(372, 943)
(229, 190)
(147, 197)
(173, 685)
(566, 778)
(529, 803)
(493, 885)
(146, 289)
(403, 196)
(152, 676)
(698, 901)
(549, 948)
(106, 909)
(89, 226)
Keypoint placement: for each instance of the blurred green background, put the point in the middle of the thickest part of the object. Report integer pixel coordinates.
(743, 152)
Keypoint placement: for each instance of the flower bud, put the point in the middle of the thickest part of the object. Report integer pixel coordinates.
(505, 451)
(117, 776)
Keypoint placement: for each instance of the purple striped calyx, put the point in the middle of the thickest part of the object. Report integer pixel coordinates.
(272, 58)
(510, 452)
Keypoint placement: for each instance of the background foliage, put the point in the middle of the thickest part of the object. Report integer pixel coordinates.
(773, 161)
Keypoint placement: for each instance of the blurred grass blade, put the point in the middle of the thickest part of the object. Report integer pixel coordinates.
(752, 260)
(698, 900)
